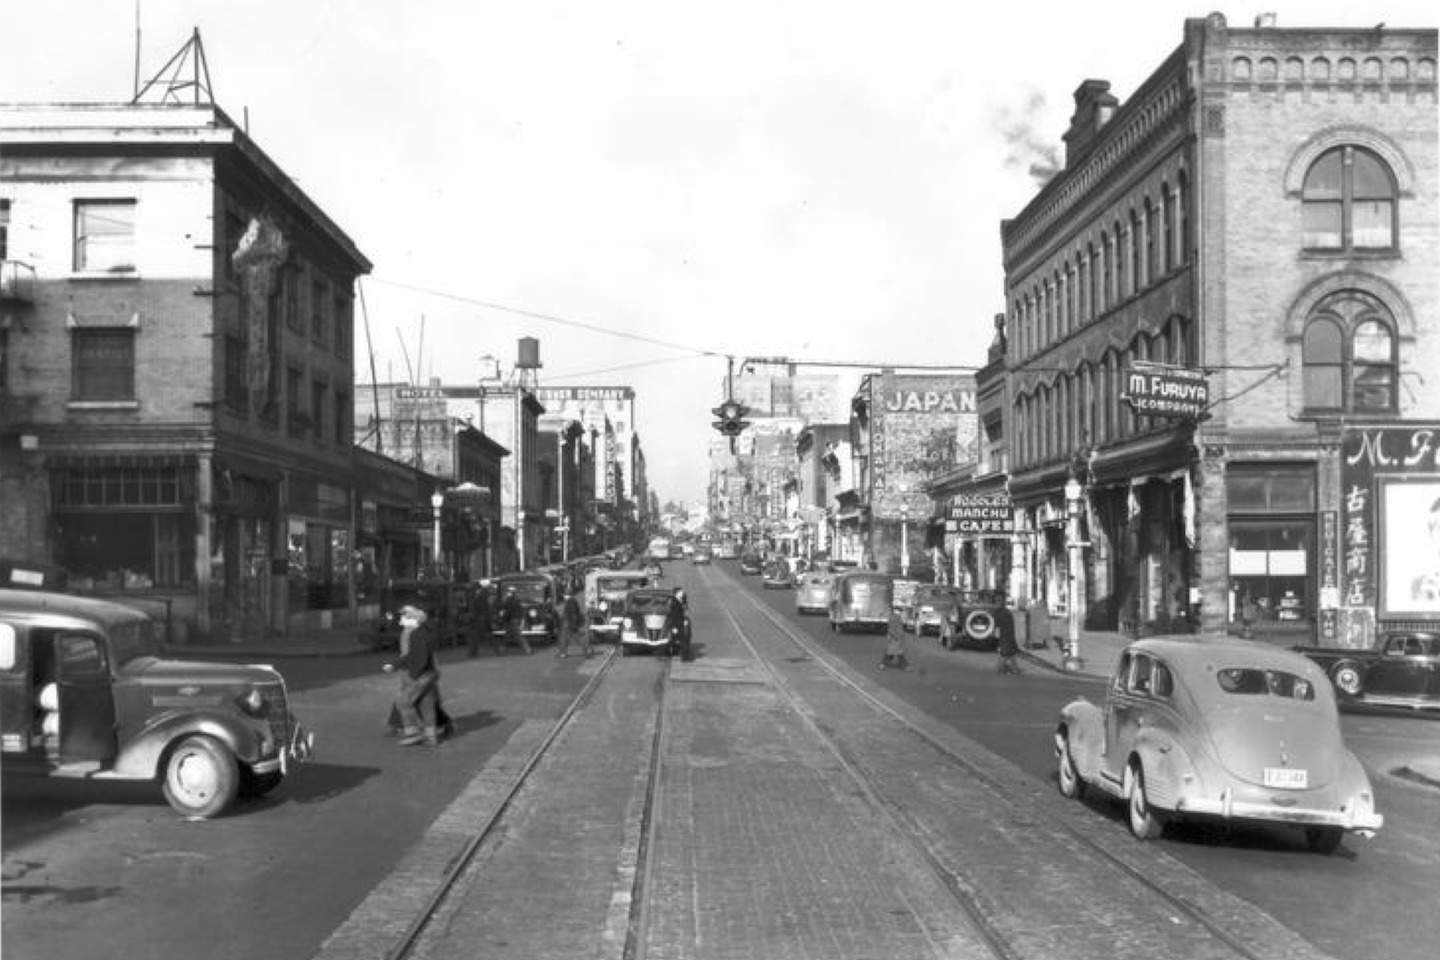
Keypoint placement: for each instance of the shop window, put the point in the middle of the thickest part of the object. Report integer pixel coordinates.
(1271, 564)
(104, 236)
(102, 363)
(1348, 202)
(127, 550)
(1349, 355)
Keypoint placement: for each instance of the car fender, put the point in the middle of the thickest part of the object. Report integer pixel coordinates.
(141, 757)
(1083, 724)
(1170, 771)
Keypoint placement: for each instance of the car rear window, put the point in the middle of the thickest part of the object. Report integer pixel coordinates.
(1248, 681)
(649, 603)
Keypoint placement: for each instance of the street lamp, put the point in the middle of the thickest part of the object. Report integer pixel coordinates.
(1074, 545)
(905, 540)
(437, 502)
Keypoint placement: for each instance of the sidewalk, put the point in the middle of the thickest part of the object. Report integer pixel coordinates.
(341, 641)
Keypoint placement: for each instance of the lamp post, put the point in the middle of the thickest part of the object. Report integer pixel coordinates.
(1074, 545)
(905, 540)
(437, 502)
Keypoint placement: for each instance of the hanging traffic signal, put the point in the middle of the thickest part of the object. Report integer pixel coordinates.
(732, 418)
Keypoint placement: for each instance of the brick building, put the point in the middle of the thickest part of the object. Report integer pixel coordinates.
(175, 367)
(1254, 233)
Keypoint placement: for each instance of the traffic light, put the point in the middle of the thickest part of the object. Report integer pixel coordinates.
(732, 420)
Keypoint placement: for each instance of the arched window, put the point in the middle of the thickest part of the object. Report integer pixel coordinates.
(1182, 201)
(1350, 355)
(1348, 202)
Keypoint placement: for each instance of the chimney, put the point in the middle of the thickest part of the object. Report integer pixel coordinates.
(1264, 20)
(1094, 106)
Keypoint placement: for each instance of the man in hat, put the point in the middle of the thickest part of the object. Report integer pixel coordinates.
(512, 615)
(419, 679)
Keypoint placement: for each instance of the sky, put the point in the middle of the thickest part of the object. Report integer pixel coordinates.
(650, 187)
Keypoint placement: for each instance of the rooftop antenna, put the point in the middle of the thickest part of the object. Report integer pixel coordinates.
(185, 75)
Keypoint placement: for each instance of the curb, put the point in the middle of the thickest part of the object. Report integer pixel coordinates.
(1415, 776)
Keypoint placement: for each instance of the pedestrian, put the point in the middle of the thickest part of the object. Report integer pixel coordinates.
(512, 618)
(419, 679)
(680, 609)
(894, 643)
(480, 618)
(573, 628)
(949, 627)
(1006, 646)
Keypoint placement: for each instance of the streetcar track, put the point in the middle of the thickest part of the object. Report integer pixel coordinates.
(913, 832)
(457, 867)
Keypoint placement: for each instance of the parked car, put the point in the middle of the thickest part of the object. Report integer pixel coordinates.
(605, 594)
(812, 592)
(1401, 670)
(978, 618)
(655, 619)
(447, 604)
(1220, 730)
(701, 556)
(86, 692)
(537, 593)
(929, 604)
(750, 564)
(31, 575)
(776, 576)
(861, 599)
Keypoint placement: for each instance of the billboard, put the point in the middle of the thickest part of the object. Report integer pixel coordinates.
(920, 427)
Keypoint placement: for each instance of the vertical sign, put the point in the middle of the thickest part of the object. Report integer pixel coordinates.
(1329, 576)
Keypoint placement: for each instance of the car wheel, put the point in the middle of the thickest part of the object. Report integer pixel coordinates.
(980, 624)
(1145, 823)
(201, 778)
(1071, 786)
(259, 784)
(1348, 678)
(1324, 840)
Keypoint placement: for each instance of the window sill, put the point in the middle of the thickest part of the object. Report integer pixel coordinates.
(1329, 253)
(102, 405)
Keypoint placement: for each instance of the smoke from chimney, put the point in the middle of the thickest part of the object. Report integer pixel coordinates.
(1025, 148)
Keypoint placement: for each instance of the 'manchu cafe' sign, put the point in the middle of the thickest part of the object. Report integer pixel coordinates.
(1161, 390)
(992, 515)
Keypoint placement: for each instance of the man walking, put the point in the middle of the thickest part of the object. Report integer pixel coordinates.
(512, 616)
(573, 628)
(1006, 645)
(419, 679)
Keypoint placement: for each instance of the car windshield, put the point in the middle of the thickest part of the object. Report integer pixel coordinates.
(1250, 681)
(650, 603)
(620, 584)
(530, 591)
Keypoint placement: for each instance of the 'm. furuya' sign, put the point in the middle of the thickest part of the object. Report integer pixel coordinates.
(1162, 390)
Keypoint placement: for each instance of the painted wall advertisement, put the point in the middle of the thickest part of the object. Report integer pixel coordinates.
(1389, 528)
(920, 427)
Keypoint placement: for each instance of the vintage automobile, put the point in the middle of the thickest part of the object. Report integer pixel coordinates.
(605, 594)
(86, 693)
(812, 592)
(861, 599)
(537, 593)
(928, 605)
(1401, 670)
(751, 564)
(447, 604)
(776, 576)
(977, 619)
(1220, 730)
(701, 556)
(656, 620)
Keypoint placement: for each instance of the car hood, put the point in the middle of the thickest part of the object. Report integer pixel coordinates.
(1248, 739)
(153, 670)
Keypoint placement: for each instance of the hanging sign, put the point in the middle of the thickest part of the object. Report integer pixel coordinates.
(1163, 390)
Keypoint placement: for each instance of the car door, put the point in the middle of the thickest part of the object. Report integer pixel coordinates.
(87, 700)
(1124, 710)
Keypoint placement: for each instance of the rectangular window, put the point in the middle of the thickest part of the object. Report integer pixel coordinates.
(294, 280)
(342, 320)
(319, 301)
(318, 389)
(342, 417)
(102, 363)
(237, 383)
(1322, 225)
(4, 229)
(294, 386)
(1371, 223)
(105, 236)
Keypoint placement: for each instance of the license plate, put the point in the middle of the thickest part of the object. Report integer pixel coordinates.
(1285, 778)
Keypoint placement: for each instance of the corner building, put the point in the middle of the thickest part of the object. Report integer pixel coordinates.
(1260, 217)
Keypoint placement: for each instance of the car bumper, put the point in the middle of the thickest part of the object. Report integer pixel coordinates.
(1227, 808)
(299, 749)
(648, 643)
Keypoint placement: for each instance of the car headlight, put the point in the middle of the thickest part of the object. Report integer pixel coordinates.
(252, 702)
(604, 605)
(628, 624)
